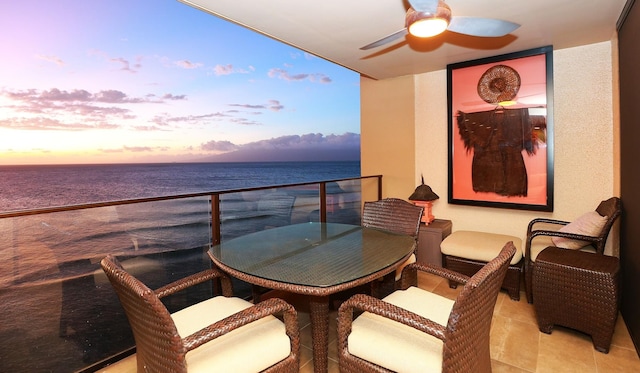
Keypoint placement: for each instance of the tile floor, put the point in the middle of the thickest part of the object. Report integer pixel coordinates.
(517, 346)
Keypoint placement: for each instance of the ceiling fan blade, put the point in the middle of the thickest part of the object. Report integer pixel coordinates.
(486, 27)
(386, 39)
(425, 6)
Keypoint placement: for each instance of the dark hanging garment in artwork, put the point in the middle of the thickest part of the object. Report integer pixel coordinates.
(497, 139)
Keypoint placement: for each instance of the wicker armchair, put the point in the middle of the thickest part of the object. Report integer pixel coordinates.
(220, 334)
(395, 215)
(540, 238)
(413, 330)
(276, 209)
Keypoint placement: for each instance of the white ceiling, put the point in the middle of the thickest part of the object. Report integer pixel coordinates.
(336, 29)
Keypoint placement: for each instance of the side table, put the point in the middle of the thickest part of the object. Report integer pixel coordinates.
(429, 239)
(578, 290)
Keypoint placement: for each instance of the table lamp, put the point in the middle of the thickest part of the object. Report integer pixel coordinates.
(423, 196)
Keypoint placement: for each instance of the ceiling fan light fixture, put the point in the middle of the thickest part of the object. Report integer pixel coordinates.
(427, 24)
(428, 27)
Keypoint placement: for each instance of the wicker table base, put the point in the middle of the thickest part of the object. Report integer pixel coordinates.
(578, 290)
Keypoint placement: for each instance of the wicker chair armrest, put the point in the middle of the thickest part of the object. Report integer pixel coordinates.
(194, 279)
(573, 236)
(434, 270)
(272, 306)
(546, 221)
(363, 302)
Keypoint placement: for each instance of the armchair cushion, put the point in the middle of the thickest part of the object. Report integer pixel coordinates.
(399, 347)
(589, 224)
(264, 339)
(412, 259)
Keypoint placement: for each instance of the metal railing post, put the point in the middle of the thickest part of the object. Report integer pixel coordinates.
(215, 219)
(323, 202)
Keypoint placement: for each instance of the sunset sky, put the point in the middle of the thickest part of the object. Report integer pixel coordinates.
(108, 81)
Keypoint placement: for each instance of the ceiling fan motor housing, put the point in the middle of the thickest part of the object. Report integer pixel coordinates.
(443, 13)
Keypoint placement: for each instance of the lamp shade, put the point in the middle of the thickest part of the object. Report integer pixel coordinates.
(423, 193)
(423, 197)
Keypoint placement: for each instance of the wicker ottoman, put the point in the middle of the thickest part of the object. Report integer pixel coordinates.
(577, 290)
(468, 251)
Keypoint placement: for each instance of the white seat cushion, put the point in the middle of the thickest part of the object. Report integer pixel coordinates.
(481, 246)
(412, 259)
(399, 347)
(250, 348)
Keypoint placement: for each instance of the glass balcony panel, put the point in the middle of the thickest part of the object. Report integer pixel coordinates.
(60, 313)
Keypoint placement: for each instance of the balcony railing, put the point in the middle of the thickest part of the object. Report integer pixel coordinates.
(60, 313)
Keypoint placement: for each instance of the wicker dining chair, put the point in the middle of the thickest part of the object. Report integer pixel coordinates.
(540, 238)
(394, 215)
(413, 330)
(276, 209)
(220, 334)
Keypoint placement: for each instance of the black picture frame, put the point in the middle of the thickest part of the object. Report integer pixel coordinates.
(501, 108)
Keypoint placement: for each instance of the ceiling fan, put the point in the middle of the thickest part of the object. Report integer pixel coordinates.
(428, 18)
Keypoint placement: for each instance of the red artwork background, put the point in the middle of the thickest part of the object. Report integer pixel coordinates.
(464, 97)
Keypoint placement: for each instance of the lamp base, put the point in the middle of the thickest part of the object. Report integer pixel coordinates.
(427, 216)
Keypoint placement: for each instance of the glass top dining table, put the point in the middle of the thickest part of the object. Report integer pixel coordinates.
(314, 259)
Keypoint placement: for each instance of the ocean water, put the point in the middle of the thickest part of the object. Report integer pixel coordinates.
(60, 314)
(32, 187)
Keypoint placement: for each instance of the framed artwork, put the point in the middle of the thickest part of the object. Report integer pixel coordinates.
(501, 131)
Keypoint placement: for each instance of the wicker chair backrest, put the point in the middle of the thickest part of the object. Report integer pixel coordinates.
(393, 214)
(466, 347)
(159, 347)
(612, 209)
(278, 206)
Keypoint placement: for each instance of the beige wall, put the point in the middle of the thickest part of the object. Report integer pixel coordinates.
(584, 139)
(387, 134)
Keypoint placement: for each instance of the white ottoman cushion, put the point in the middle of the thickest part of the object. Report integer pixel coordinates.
(480, 246)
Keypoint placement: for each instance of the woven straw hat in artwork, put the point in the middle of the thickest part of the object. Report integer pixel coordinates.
(499, 83)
